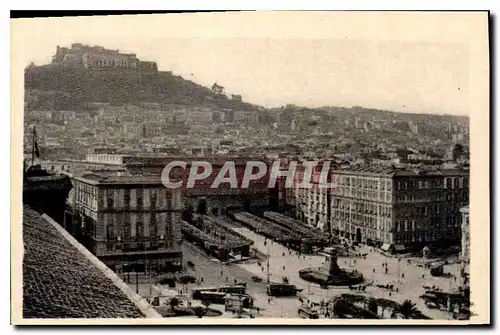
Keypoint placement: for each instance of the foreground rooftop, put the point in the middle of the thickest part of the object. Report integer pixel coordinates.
(61, 279)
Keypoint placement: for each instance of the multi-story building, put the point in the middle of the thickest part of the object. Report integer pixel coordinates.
(398, 208)
(99, 57)
(465, 252)
(309, 204)
(129, 222)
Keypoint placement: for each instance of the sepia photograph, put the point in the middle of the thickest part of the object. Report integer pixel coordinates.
(251, 168)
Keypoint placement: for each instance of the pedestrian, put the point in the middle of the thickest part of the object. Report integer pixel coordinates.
(283, 268)
(373, 270)
(402, 275)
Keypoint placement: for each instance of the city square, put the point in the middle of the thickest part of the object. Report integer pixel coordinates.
(283, 262)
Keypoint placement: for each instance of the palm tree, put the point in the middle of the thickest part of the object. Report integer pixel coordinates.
(174, 302)
(200, 311)
(407, 309)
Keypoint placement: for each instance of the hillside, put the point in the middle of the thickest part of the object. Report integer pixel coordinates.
(68, 88)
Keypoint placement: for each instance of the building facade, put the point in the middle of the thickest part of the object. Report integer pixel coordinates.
(129, 222)
(465, 251)
(99, 57)
(407, 209)
(310, 205)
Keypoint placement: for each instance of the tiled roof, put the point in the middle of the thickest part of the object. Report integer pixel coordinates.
(389, 171)
(111, 178)
(60, 281)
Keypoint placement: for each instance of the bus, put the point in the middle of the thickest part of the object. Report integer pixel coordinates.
(282, 290)
(237, 289)
(196, 293)
(213, 297)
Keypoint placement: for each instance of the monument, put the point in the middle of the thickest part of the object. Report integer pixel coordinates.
(333, 275)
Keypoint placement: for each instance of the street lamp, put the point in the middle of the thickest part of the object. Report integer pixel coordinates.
(268, 274)
(399, 262)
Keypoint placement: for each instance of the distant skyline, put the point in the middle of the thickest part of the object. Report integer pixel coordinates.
(311, 71)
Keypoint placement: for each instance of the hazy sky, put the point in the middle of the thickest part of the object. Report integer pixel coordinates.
(260, 59)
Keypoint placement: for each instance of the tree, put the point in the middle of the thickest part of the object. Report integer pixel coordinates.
(387, 304)
(174, 302)
(199, 311)
(372, 306)
(457, 151)
(407, 309)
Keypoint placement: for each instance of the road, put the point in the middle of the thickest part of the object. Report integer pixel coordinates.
(286, 263)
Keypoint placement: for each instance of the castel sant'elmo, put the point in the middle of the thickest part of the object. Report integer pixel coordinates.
(95, 57)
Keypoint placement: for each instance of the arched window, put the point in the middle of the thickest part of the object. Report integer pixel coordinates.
(139, 226)
(448, 182)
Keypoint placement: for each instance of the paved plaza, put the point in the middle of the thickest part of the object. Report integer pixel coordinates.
(410, 285)
(287, 263)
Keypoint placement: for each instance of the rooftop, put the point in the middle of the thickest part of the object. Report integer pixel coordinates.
(399, 172)
(61, 279)
(110, 179)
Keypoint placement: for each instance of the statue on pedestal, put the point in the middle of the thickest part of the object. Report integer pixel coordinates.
(334, 267)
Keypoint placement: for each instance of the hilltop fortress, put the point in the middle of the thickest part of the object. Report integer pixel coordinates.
(99, 57)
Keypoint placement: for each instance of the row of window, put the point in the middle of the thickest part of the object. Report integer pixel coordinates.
(350, 233)
(365, 194)
(365, 207)
(407, 237)
(115, 62)
(86, 194)
(125, 230)
(383, 225)
(139, 198)
(455, 182)
(366, 183)
(434, 196)
(131, 246)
